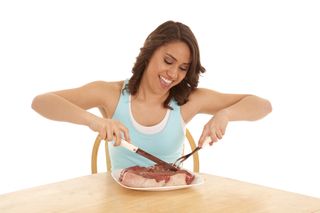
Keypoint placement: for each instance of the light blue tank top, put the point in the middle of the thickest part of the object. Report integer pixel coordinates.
(164, 140)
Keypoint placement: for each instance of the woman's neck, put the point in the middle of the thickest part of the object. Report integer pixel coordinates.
(149, 97)
(146, 95)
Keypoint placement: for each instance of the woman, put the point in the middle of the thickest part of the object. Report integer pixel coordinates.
(151, 109)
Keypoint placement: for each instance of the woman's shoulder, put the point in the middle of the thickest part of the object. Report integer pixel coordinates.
(109, 85)
(195, 101)
(105, 90)
(109, 93)
(196, 94)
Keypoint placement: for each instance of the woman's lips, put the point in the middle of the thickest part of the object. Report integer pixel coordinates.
(165, 83)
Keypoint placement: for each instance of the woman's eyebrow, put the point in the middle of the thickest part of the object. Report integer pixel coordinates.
(176, 59)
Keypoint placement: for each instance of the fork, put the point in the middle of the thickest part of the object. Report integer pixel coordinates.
(179, 161)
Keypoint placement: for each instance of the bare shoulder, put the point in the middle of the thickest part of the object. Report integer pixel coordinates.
(111, 92)
(101, 94)
(104, 85)
(108, 93)
(200, 95)
(203, 100)
(193, 106)
(101, 89)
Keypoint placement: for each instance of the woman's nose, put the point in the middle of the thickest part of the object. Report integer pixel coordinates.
(172, 72)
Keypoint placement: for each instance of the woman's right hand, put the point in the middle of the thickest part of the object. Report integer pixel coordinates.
(110, 130)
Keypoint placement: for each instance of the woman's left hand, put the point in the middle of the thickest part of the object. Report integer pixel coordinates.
(215, 128)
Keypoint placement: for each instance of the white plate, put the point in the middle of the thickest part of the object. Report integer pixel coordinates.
(197, 181)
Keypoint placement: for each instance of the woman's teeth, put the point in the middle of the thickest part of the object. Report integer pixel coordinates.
(166, 80)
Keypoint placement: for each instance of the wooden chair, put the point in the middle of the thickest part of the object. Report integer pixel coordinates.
(108, 161)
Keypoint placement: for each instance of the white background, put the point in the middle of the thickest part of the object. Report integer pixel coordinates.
(267, 48)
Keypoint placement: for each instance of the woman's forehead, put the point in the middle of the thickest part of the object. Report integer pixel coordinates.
(178, 50)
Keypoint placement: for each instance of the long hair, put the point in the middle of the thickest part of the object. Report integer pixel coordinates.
(165, 33)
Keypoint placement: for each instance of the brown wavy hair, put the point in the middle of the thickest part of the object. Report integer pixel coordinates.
(165, 33)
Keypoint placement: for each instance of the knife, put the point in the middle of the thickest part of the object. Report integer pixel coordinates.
(147, 155)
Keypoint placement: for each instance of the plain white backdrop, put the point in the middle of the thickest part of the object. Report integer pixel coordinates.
(267, 48)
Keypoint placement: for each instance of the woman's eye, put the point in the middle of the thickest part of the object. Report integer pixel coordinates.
(167, 61)
(184, 68)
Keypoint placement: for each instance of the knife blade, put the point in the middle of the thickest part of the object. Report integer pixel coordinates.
(145, 154)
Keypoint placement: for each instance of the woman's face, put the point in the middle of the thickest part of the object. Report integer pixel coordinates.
(168, 66)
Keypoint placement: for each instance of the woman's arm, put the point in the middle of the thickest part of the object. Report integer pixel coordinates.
(237, 106)
(71, 106)
(56, 107)
(225, 108)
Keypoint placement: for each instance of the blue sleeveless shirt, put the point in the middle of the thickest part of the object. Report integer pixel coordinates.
(164, 140)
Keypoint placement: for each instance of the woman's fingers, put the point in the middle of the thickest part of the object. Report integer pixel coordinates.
(203, 137)
(215, 128)
(109, 135)
(110, 130)
(219, 134)
(215, 135)
(118, 132)
(125, 132)
(117, 138)
(102, 135)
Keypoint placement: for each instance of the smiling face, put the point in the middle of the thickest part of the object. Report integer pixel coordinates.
(168, 66)
(159, 67)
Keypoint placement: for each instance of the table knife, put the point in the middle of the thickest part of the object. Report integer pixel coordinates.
(147, 155)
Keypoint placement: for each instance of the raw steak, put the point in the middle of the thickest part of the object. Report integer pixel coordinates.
(154, 176)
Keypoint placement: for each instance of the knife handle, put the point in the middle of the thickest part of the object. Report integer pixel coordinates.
(128, 146)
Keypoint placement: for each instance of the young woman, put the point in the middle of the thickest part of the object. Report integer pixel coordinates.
(151, 109)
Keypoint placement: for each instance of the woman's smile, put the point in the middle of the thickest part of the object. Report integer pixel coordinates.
(165, 83)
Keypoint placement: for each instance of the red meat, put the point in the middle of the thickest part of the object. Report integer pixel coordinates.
(154, 176)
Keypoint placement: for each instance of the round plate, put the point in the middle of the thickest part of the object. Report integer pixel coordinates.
(197, 181)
